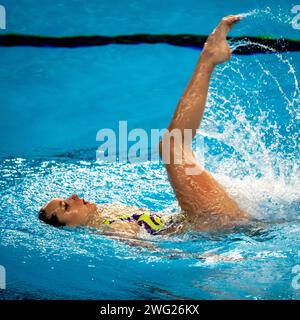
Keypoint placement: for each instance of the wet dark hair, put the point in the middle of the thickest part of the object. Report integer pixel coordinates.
(53, 220)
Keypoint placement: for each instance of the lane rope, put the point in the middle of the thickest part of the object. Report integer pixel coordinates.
(251, 45)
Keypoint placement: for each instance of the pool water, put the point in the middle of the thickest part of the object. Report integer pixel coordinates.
(53, 102)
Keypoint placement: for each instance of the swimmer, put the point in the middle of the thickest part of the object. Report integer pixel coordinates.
(204, 203)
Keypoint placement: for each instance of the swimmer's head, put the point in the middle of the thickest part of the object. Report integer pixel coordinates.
(71, 212)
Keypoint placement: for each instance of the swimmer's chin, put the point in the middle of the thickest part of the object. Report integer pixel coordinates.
(93, 207)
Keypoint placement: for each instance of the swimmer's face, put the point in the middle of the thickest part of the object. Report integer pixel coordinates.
(72, 211)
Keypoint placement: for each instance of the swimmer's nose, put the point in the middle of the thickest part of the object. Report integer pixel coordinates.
(75, 197)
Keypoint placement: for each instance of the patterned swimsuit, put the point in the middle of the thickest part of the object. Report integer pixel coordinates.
(152, 222)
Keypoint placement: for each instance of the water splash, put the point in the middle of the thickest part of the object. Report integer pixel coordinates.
(255, 138)
(253, 12)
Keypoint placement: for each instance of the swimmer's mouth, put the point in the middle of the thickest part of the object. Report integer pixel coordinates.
(85, 202)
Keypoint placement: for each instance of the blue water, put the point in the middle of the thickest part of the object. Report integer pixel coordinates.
(53, 102)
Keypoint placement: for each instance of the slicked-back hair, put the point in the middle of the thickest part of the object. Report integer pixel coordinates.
(53, 220)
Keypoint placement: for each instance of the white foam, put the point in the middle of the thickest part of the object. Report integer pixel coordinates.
(261, 167)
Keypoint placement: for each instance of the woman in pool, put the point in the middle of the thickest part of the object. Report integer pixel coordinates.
(204, 202)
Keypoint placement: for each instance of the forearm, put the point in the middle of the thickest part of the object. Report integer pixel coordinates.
(190, 109)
